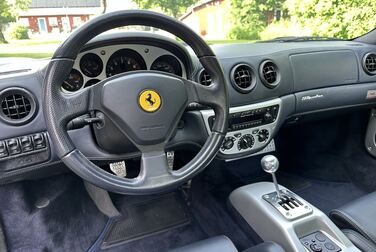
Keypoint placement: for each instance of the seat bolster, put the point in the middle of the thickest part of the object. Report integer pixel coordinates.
(266, 247)
(359, 216)
(359, 241)
(215, 244)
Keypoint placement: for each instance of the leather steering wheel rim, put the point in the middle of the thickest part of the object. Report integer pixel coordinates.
(59, 108)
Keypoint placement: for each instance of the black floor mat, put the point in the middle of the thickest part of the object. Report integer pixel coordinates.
(147, 218)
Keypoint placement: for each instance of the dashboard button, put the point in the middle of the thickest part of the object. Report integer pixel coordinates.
(3, 149)
(14, 147)
(316, 247)
(26, 144)
(228, 143)
(320, 237)
(329, 246)
(39, 141)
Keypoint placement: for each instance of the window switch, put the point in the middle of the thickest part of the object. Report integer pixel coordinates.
(3, 149)
(14, 147)
(39, 141)
(26, 144)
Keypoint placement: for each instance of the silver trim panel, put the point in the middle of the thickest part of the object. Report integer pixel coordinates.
(236, 135)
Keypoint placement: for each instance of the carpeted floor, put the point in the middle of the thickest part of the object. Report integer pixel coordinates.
(70, 222)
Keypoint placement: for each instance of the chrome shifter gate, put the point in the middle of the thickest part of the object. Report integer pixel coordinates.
(289, 205)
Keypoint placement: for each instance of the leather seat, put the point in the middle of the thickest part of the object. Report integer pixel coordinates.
(224, 244)
(357, 220)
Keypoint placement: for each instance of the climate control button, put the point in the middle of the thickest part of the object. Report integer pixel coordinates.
(247, 141)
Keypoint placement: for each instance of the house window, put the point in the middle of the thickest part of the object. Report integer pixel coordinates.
(76, 21)
(53, 21)
(24, 22)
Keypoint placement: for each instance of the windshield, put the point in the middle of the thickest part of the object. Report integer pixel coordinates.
(35, 28)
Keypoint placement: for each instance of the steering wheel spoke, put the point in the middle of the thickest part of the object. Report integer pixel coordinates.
(199, 93)
(74, 105)
(154, 168)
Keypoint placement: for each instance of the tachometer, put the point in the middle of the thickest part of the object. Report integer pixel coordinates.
(91, 65)
(124, 60)
(168, 64)
(74, 81)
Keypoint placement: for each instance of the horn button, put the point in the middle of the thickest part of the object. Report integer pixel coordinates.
(145, 106)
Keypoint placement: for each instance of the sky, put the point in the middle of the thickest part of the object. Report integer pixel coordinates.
(114, 5)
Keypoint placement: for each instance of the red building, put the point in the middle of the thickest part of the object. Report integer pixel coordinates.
(56, 16)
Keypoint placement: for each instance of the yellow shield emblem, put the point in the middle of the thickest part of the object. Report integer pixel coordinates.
(149, 100)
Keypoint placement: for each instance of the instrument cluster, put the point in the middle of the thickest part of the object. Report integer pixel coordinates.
(97, 64)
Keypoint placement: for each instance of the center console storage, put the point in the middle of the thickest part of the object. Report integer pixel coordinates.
(288, 219)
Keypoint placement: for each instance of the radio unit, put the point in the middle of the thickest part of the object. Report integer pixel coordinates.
(250, 118)
(250, 127)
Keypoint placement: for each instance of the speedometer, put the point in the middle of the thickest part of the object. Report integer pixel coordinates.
(124, 60)
(168, 64)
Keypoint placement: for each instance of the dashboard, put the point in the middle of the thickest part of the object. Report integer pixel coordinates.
(270, 85)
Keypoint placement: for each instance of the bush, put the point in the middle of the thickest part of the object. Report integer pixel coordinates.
(19, 32)
(284, 28)
(242, 33)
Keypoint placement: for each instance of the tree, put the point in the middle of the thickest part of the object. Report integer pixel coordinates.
(8, 13)
(334, 18)
(249, 17)
(104, 5)
(174, 8)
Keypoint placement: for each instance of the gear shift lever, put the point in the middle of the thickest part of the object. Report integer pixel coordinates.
(270, 164)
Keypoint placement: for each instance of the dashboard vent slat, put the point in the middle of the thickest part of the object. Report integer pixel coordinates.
(204, 78)
(369, 63)
(243, 78)
(269, 74)
(17, 105)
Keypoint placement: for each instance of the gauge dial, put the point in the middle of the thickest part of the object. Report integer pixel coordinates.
(91, 65)
(91, 82)
(168, 64)
(74, 81)
(124, 60)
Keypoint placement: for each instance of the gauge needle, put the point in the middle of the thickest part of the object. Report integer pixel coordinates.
(70, 85)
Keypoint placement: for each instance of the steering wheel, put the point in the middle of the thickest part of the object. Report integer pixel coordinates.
(146, 106)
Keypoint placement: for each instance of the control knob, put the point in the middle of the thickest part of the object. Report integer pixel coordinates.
(268, 117)
(263, 135)
(228, 143)
(246, 142)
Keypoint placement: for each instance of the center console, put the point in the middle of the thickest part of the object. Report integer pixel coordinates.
(279, 215)
(250, 127)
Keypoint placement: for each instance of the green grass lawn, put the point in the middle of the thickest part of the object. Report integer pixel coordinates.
(26, 55)
(38, 49)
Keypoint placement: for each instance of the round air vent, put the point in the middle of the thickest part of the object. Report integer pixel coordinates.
(369, 63)
(17, 106)
(204, 78)
(269, 74)
(243, 78)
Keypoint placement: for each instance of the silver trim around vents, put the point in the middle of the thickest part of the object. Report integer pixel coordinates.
(204, 78)
(269, 74)
(369, 63)
(243, 78)
(18, 106)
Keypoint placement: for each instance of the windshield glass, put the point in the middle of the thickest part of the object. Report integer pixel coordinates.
(35, 28)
